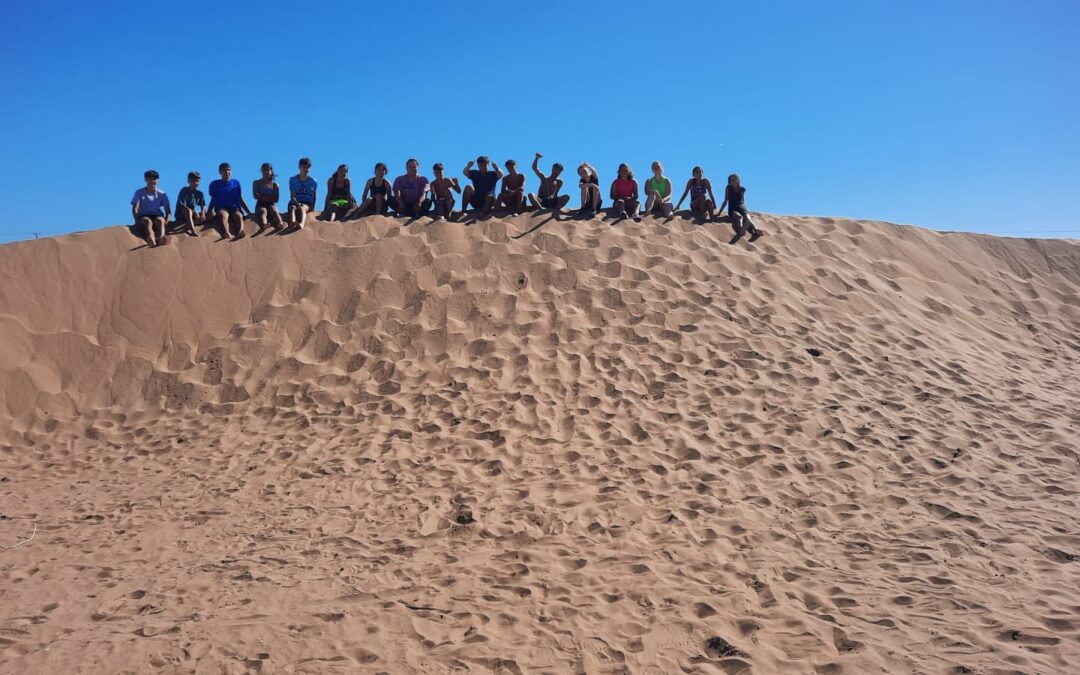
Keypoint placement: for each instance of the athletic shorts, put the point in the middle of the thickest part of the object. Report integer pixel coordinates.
(149, 215)
(294, 203)
(478, 201)
(269, 206)
(228, 209)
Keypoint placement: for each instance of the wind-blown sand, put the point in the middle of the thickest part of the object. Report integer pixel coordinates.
(851, 447)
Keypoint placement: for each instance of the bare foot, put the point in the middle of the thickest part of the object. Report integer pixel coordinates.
(164, 241)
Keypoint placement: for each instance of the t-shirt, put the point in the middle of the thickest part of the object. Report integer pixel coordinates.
(225, 194)
(483, 183)
(625, 187)
(303, 190)
(410, 187)
(148, 203)
(191, 198)
(735, 196)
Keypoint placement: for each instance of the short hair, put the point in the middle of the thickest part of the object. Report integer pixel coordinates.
(380, 165)
(224, 165)
(267, 166)
(558, 166)
(304, 161)
(150, 174)
(412, 160)
(194, 174)
(482, 159)
(696, 169)
(438, 166)
(510, 162)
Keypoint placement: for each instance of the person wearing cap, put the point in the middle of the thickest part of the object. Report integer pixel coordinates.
(547, 196)
(191, 204)
(302, 190)
(150, 207)
(410, 192)
(481, 194)
(513, 189)
(227, 203)
(442, 190)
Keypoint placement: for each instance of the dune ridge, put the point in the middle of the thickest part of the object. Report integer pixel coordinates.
(850, 447)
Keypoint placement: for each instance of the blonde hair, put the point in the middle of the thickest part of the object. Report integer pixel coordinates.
(658, 165)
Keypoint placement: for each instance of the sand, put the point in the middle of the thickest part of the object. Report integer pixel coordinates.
(850, 447)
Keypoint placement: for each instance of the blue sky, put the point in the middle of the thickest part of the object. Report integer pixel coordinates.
(953, 115)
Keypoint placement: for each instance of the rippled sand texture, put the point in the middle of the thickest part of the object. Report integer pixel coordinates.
(851, 447)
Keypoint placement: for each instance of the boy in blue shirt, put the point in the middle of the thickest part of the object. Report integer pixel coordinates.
(150, 207)
(191, 204)
(227, 203)
(302, 189)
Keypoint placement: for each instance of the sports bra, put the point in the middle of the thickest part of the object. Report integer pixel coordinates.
(378, 189)
(338, 191)
(698, 188)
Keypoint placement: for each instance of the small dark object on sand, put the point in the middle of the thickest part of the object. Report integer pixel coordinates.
(465, 517)
(722, 647)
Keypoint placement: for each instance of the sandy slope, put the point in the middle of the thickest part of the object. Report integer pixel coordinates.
(851, 447)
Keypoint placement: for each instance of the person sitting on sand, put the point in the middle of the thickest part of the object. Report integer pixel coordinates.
(547, 196)
(376, 196)
(302, 190)
(267, 192)
(442, 189)
(624, 194)
(513, 189)
(735, 201)
(191, 204)
(658, 192)
(702, 201)
(150, 207)
(410, 192)
(227, 203)
(339, 197)
(590, 190)
(481, 194)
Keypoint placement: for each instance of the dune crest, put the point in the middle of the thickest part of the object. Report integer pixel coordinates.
(850, 447)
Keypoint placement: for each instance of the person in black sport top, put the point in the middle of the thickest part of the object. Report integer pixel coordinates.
(339, 197)
(376, 194)
(702, 200)
(735, 201)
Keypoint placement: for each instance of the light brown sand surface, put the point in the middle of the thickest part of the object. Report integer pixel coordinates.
(367, 448)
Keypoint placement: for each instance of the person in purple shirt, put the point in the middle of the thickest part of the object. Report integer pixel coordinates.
(410, 192)
(150, 207)
(227, 203)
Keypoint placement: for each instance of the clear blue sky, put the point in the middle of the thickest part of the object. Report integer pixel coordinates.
(954, 115)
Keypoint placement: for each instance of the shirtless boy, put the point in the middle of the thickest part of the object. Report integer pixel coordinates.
(547, 196)
(443, 189)
(513, 189)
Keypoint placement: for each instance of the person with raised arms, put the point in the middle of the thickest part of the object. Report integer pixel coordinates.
(191, 204)
(376, 195)
(547, 195)
(590, 190)
(267, 193)
(339, 197)
(442, 190)
(702, 201)
(735, 201)
(302, 191)
(227, 203)
(624, 194)
(513, 189)
(481, 194)
(150, 208)
(410, 192)
(658, 192)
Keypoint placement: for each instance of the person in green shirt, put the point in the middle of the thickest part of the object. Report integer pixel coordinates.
(658, 192)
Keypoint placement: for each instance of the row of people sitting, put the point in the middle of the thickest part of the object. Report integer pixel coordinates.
(413, 195)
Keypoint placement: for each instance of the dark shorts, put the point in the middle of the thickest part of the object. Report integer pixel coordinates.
(181, 209)
(269, 206)
(228, 209)
(410, 207)
(151, 216)
(478, 201)
(293, 203)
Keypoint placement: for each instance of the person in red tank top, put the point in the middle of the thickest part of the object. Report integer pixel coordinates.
(624, 193)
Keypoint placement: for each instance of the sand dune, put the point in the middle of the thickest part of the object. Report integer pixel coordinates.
(851, 447)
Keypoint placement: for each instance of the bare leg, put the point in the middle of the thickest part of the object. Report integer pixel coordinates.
(619, 208)
(236, 220)
(301, 216)
(262, 218)
(159, 230)
(189, 220)
(650, 201)
(274, 217)
(222, 218)
(534, 201)
(146, 224)
(380, 204)
(466, 200)
(632, 206)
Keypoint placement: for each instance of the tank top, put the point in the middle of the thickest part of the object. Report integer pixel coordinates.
(264, 192)
(698, 189)
(659, 186)
(338, 191)
(378, 189)
(624, 188)
(736, 197)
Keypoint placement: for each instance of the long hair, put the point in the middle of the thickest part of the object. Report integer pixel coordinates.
(267, 166)
(629, 171)
(733, 179)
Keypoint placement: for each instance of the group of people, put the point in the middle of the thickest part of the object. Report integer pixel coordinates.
(412, 195)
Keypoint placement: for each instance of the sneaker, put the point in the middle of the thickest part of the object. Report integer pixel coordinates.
(757, 234)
